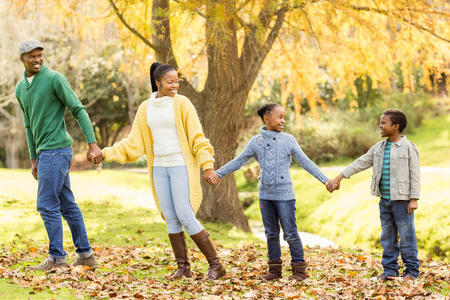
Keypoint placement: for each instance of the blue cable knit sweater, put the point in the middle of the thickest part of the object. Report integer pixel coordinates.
(273, 151)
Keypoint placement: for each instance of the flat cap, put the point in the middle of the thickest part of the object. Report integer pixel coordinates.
(29, 45)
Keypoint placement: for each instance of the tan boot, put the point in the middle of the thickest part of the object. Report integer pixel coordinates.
(178, 243)
(216, 270)
(298, 271)
(48, 265)
(275, 267)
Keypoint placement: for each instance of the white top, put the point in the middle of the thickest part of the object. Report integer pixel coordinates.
(30, 79)
(161, 121)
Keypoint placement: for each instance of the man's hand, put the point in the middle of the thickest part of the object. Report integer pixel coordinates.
(94, 153)
(210, 176)
(34, 168)
(412, 206)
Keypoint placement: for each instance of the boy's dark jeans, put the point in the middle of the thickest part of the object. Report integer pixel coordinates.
(273, 213)
(395, 221)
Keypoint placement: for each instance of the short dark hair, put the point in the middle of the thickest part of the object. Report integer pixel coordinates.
(157, 71)
(397, 117)
(266, 109)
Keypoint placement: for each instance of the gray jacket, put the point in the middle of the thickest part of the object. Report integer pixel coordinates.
(405, 172)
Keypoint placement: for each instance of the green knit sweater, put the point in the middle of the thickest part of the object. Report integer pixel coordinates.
(43, 104)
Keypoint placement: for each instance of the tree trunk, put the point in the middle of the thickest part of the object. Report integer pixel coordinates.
(14, 138)
(12, 149)
(222, 127)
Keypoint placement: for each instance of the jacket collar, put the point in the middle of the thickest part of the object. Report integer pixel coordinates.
(269, 134)
(398, 143)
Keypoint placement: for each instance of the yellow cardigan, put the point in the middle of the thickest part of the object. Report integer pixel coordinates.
(196, 148)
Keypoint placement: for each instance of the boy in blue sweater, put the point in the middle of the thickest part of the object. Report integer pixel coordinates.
(274, 150)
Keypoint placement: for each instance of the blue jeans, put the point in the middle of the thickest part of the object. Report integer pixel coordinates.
(396, 221)
(172, 189)
(273, 213)
(55, 198)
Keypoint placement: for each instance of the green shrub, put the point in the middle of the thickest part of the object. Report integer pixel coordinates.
(349, 134)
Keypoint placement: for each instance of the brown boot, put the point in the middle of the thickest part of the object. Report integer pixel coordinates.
(87, 261)
(275, 267)
(178, 243)
(216, 270)
(298, 271)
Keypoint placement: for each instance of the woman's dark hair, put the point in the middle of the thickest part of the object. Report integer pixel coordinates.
(266, 109)
(397, 117)
(157, 71)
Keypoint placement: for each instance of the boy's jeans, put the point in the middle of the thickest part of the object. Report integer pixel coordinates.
(273, 213)
(55, 198)
(172, 189)
(395, 221)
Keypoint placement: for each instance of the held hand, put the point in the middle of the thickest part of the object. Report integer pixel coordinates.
(412, 206)
(330, 185)
(34, 168)
(336, 182)
(210, 177)
(94, 154)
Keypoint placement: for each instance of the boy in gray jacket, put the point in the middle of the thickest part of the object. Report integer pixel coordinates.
(396, 180)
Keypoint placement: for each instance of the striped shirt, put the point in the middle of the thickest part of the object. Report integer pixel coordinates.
(385, 181)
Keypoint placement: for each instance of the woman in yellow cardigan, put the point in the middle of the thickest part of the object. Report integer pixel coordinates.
(168, 131)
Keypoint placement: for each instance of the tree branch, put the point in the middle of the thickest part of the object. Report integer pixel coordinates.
(256, 52)
(5, 114)
(125, 23)
(197, 11)
(310, 27)
(385, 12)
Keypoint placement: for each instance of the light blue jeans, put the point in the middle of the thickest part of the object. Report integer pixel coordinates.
(172, 189)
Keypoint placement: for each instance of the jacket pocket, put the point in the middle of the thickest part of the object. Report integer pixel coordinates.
(403, 186)
(403, 166)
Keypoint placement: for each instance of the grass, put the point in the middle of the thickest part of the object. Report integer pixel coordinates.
(433, 142)
(13, 291)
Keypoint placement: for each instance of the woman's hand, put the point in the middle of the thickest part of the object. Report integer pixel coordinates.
(210, 176)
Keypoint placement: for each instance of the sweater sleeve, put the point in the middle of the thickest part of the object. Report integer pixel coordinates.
(130, 148)
(198, 143)
(28, 132)
(307, 163)
(239, 161)
(68, 97)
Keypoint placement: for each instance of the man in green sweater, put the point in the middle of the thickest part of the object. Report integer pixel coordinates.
(43, 96)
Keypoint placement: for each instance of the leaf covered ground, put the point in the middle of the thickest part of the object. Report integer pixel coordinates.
(141, 272)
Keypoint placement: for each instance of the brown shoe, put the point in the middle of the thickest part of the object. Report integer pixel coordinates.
(88, 261)
(298, 271)
(275, 269)
(178, 243)
(48, 265)
(216, 270)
